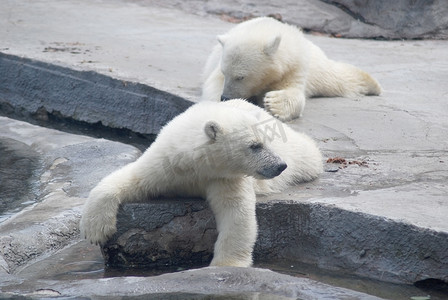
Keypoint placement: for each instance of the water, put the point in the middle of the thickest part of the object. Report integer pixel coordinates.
(189, 296)
(19, 168)
(84, 261)
(436, 291)
(50, 294)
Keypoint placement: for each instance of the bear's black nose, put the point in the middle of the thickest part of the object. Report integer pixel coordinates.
(281, 167)
(224, 98)
(272, 171)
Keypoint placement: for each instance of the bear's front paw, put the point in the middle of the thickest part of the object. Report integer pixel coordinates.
(284, 104)
(275, 103)
(97, 229)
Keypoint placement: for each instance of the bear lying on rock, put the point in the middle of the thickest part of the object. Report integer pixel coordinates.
(224, 152)
(275, 66)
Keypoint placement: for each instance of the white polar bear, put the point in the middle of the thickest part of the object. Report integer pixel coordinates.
(274, 65)
(224, 152)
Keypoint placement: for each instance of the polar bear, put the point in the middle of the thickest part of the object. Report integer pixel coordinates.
(224, 152)
(274, 65)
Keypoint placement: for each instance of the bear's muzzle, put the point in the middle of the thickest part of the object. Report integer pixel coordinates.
(272, 171)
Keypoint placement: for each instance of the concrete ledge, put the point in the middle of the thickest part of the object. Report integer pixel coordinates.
(358, 243)
(32, 89)
(168, 233)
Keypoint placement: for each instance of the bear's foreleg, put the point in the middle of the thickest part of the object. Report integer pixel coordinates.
(99, 216)
(233, 204)
(213, 78)
(213, 86)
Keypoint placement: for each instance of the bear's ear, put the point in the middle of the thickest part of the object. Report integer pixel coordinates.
(222, 39)
(271, 47)
(212, 130)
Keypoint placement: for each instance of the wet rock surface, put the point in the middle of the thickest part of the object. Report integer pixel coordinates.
(214, 283)
(173, 234)
(19, 165)
(70, 165)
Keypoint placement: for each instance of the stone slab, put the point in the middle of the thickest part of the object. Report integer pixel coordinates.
(205, 283)
(168, 234)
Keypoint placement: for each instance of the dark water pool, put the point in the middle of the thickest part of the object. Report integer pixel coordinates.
(84, 261)
(431, 291)
(19, 171)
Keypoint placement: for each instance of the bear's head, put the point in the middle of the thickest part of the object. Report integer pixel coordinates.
(236, 149)
(248, 66)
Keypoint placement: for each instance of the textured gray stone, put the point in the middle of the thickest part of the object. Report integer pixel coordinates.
(206, 283)
(336, 239)
(404, 19)
(33, 89)
(179, 233)
(166, 233)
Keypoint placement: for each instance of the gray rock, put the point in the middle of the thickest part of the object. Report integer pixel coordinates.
(404, 19)
(161, 234)
(205, 283)
(180, 233)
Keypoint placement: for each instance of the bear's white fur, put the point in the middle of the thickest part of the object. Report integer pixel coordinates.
(224, 152)
(275, 66)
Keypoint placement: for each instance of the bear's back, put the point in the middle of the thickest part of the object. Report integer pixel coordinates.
(264, 26)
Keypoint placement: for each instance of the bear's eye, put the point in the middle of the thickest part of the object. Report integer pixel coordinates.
(239, 78)
(256, 146)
